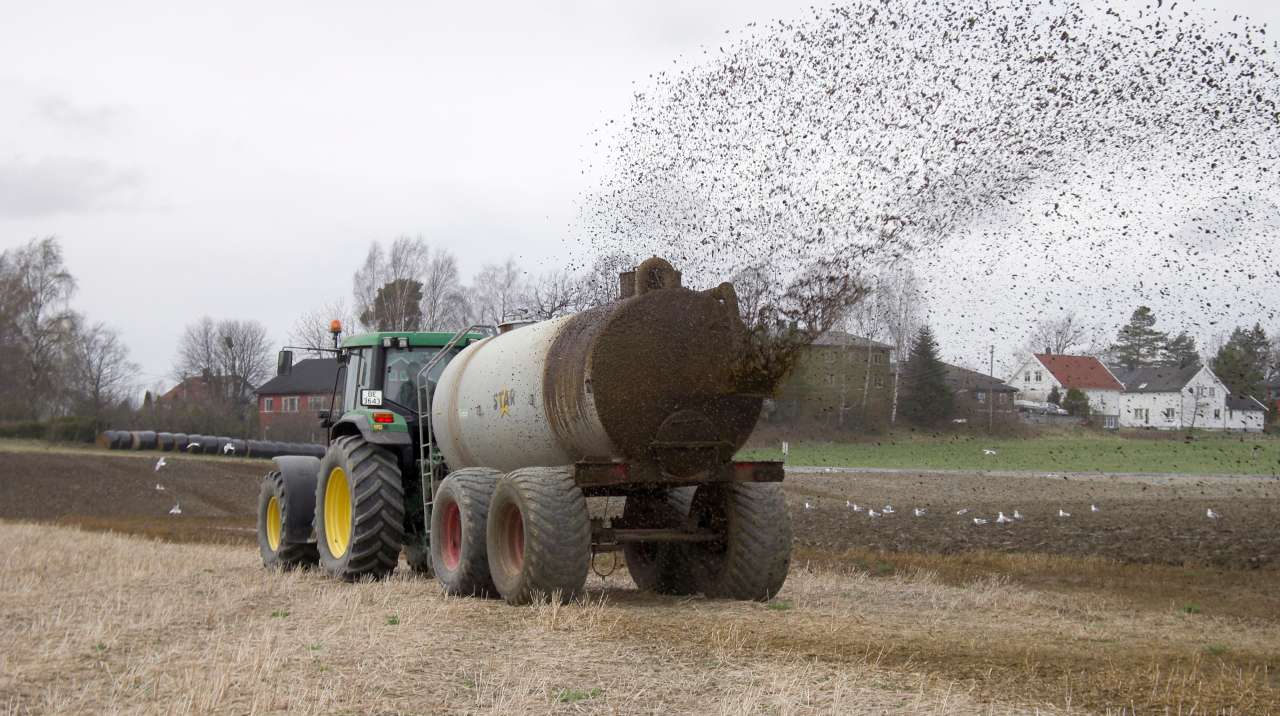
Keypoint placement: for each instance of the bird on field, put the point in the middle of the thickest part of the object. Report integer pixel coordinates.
(228, 449)
(192, 446)
(979, 521)
(962, 511)
(1017, 515)
(1002, 520)
(159, 487)
(854, 506)
(807, 505)
(919, 512)
(1094, 508)
(1211, 514)
(176, 509)
(888, 509)
(872, 513)
(1063, 513)
(988, 451)
(160, 463)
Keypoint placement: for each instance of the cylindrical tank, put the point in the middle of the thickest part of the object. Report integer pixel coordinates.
(650, 378)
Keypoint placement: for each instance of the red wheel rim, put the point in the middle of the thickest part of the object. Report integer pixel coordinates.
(515, 539)
(451, 549)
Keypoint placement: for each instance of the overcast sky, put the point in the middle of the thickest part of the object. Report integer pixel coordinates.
(216, 160)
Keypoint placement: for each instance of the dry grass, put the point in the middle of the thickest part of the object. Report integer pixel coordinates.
(100, 623)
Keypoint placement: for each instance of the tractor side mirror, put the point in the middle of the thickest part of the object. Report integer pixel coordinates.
(284, 363)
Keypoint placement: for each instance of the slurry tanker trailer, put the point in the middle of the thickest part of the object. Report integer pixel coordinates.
(476, 454)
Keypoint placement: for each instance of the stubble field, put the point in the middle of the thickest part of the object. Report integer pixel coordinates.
(1144, 606)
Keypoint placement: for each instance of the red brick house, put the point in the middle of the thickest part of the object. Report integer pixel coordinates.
(288, 405)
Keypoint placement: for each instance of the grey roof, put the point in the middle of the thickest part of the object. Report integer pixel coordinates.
(842, 338)
(1162, 379)
(308, 377)
(964, 379)
(1244, 402)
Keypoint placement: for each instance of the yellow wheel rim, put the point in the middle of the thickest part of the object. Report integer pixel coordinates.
(337, 512)
(274, 524)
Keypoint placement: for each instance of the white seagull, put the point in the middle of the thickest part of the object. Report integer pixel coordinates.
(160, 463)
(1017, 515)
(1002, 520)
(1094, 508)
(192, 446)
(176, 509)
(888, 509)
(919, 512)
(854, 506)
(228, 449)
(807, 506)
(1211, 514)
(1063, 513)
(988, 451)
(979, 521)
(962, 510)
(159, 487)
(872, 513)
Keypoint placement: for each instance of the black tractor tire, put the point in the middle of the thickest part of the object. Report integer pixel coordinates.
(459, 531)
(660, 567)
(359, 532)
(276, 550)
(539, 536)
(751, 560)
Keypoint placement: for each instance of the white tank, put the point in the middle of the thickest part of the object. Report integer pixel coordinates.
(489, 409)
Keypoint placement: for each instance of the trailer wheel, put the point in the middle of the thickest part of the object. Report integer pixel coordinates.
(459, 531)
(278, 552)
(539, 536)
(751, 560)
(661, 567)
(359, 521)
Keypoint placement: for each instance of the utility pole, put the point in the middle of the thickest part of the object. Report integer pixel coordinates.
(991, 395)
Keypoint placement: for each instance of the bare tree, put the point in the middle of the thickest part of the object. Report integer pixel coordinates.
(311, 330)
(101, 372)
(599, 284)
(444, 302)
(901, 304)
(381, 285)
(552, 294)
(244, 353)
(40, 289)
(1057, 335)
(497, 293)
(197, 350)
(231, 356)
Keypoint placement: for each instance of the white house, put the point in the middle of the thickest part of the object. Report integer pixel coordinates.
(1172, 398)
(1042, 372)
(1246, 414)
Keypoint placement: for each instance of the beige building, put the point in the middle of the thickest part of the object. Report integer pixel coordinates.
(841, 381)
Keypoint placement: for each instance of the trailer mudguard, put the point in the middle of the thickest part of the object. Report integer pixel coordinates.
(300, 473)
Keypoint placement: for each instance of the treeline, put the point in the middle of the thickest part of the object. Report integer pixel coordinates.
(60, 371)
(409, 286)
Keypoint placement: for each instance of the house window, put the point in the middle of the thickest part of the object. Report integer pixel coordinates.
(1037, 376)
(879, 381)
(1028, 376)
(1168, 413)
(980, 396)
(317, 402)
(1213, 392)
(1143, 414)
(1217, 413)
(1109, 422)
(289, 404)
(268, 405)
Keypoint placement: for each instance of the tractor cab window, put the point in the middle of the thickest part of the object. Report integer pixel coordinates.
(403, 366)
(356, 374)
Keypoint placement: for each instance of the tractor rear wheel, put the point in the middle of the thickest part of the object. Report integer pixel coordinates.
(278, 552)
(750, 560)
(539, 536)
(459, 527)
(359, 520)
(661, 567)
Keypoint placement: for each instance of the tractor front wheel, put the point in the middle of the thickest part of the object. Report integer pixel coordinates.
(359, 520)
(539, 536)
(277, 550)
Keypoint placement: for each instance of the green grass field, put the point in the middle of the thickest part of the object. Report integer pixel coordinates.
(1087, 452)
